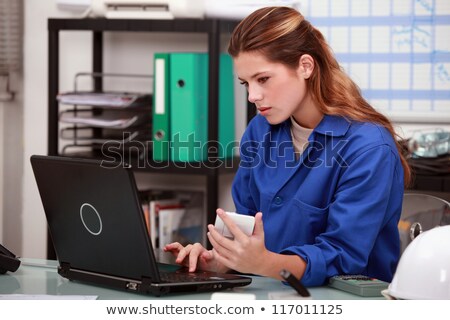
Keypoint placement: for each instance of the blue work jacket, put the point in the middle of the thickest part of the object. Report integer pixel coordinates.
(337, 206)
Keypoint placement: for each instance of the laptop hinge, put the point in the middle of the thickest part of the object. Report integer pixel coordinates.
(146, 283)
(64, 268)
(147, 286)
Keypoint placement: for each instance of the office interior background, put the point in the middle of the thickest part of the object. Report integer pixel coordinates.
(24, 125)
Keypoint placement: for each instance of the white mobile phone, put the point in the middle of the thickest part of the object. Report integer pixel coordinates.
(244, 222)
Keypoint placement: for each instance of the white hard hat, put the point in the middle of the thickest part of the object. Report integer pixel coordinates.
(424, 268)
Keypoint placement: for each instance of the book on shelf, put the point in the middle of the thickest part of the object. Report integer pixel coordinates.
(155, 208)
(105, 99)
(192, 226)
(169, 224)
(176, 216)
(146, 197)
(146, 212)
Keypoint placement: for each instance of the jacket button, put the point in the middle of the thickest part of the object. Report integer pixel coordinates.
(278, 200)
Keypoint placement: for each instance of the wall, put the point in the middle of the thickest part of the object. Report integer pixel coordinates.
(11, 154)
(35, 122)
(2, 134)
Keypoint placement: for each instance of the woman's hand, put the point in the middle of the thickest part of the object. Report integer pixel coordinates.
(243, 253)
(195, 257)
(246, 254)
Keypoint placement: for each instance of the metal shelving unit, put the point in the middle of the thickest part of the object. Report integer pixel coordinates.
(212, 27)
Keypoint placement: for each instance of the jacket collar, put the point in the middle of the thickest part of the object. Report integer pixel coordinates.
(335, 126)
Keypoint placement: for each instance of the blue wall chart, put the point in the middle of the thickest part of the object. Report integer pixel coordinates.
(397, 51)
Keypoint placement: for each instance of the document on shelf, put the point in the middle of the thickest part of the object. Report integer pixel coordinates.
(105, 99)
(85, 134)
(108, 119)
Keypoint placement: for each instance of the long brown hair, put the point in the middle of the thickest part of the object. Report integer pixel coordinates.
(283, 35)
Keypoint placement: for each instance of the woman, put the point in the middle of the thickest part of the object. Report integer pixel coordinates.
(320, 169)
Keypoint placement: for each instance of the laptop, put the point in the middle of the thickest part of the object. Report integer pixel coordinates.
(99, 233)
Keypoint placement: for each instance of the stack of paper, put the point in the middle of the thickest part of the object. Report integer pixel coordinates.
(107, 119)
(105, 99)
(86, 134)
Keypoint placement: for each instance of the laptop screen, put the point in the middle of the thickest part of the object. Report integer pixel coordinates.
(95, 217)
